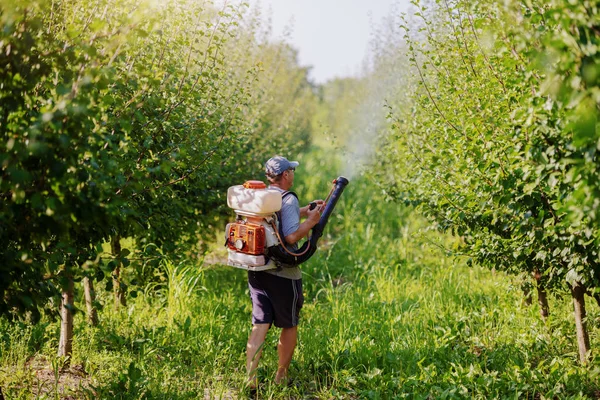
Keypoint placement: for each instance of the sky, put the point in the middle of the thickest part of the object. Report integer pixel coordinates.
(332, 36)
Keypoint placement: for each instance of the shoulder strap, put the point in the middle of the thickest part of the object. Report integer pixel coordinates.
(278, 213)
(286, 193)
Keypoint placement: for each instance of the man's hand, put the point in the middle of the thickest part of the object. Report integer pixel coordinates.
(313, 215)
(315, 204)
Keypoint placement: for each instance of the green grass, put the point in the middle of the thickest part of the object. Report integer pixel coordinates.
(387, 315)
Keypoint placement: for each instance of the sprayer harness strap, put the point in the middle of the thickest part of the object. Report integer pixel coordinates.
(279, 230)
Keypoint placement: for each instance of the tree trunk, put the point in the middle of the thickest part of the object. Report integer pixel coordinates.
(583, 339)
(543, 301)
(90, 298)
(65, 345)
(527, 296)
(119, 296)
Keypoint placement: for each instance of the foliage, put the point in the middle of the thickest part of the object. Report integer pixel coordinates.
(490, 144)
(50, 184)
(123, 119)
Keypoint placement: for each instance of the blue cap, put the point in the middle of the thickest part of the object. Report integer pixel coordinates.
(277, 165)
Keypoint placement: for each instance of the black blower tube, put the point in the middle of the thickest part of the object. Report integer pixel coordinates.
(317, 230)
(279, 254)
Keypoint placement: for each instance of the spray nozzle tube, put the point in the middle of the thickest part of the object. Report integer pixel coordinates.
(339, 185)
(310, 246)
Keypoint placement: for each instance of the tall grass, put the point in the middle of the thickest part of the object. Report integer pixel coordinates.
(388, 314)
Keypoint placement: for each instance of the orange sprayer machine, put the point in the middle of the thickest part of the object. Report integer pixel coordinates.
(253, 241)
(248, 238)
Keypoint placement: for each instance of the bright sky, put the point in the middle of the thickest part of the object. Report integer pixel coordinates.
(332, 36)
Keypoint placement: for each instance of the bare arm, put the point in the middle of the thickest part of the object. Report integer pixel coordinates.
(312, 218)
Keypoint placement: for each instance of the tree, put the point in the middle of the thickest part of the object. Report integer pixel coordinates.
(125, 120)
(487, 147)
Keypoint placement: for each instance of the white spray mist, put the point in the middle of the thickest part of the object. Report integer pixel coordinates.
(385, 72)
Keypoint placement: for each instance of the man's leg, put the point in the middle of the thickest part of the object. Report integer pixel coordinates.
(285, 350)
(254, 351)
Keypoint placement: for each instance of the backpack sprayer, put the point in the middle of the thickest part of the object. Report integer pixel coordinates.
(255, 240)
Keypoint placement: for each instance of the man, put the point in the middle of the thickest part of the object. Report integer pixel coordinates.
(277, 294)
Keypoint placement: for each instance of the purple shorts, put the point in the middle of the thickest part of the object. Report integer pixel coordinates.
(275, 300)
